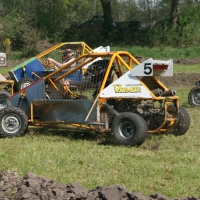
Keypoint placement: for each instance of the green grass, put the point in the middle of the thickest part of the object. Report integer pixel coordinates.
(161, 52)
(4, 70)
(187, 68)
(162, 164)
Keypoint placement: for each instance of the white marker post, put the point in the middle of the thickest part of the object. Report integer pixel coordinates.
(2, 59)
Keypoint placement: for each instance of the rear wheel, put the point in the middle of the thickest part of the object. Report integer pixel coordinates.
(129, 129)
(3, 98)
(13, 122)
(183, 124)
(24, 82)
(194, 96)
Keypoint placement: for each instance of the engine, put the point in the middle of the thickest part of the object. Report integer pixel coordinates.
(152, 112)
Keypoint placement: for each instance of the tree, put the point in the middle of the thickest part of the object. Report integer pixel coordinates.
(108, 19)
(175, 9)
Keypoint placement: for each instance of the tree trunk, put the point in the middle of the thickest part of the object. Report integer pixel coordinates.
(174, 11)
(108, 20)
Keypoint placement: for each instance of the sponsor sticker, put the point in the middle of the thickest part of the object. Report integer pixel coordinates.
(118, 88)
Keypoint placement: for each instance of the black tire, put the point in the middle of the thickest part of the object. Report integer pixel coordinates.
(183, 124)
(3, 98)
(24, 82)
(194, 96)
(129, 129)
(13, 122)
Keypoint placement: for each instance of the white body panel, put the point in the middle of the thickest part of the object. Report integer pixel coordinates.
(101, 49)
(126, 86)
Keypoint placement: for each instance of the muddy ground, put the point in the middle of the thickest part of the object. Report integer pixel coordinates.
(34, 187)
(180, 79)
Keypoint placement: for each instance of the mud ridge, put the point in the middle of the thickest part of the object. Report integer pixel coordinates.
(34, 187)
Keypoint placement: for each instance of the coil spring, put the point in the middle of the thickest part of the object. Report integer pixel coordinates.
(20, 102)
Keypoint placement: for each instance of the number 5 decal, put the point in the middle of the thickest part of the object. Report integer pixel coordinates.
(147, 68)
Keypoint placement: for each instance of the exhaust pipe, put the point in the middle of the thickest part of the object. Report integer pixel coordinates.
(157, 92)
(169, 93)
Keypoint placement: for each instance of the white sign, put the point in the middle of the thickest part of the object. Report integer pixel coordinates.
(152, 67)
(2, 59)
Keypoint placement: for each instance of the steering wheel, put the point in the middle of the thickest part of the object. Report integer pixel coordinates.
(51, 64)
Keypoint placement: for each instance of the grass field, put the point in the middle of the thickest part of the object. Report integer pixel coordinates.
(162, 164)
(161, 52)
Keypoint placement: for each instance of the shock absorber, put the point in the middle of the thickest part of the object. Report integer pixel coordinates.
(21, 100)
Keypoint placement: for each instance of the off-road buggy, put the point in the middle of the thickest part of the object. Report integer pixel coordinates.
(105, 91)
(39, 66)
(194, 95)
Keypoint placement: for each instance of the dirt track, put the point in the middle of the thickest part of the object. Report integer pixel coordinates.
(33, 187)
(180, 80)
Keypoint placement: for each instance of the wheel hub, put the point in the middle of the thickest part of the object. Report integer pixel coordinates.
(197, 98)
(126, 129)
(25, 84)
(10, 124)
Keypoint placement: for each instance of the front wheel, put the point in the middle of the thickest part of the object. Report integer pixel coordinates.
(13, 122)
(194, 96)
(183, 123)
(3, 98)
(129, 129)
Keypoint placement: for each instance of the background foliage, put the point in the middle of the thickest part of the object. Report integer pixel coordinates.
(31, 25)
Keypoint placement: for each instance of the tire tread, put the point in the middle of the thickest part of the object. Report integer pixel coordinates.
(141, 129)
(22, 114)
(191, 96)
